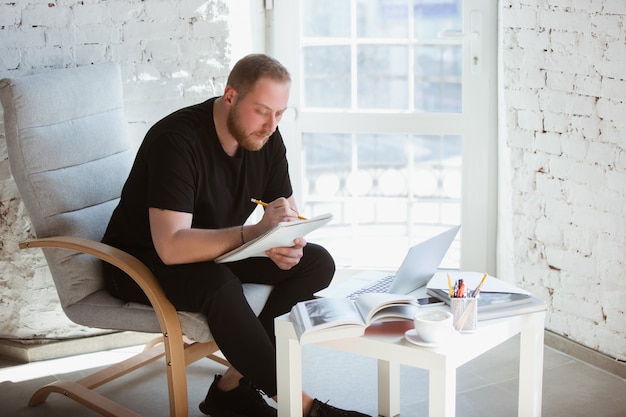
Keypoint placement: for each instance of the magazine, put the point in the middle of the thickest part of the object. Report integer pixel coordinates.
(283, 234)
(332, 318)
(486, 300)
(495, 299)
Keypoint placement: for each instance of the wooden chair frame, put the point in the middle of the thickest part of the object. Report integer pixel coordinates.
(178, 351)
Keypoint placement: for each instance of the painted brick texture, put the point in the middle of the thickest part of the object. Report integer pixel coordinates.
(172, 53)
(564, 89)
(564, 79)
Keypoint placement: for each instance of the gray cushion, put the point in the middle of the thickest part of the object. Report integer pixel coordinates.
(102, 310)
(70, 155)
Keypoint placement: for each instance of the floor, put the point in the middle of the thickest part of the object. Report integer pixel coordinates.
(487, 386)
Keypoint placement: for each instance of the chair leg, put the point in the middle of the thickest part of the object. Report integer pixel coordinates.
(84, 396)
(196, 351)
(176, 363)
(153, 343)
(219, 358)
(212, 352)
(180, 356)
(82, 392)
(122, 368)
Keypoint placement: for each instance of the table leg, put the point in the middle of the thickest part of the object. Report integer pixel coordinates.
(442, 390)
(388, 388)
(288, 373)
(531, 367)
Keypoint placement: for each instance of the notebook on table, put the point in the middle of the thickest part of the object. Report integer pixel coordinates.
(415, 271)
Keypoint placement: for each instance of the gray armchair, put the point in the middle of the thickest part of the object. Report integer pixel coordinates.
(70, 155)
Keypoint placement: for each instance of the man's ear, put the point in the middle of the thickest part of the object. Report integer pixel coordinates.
(230, 95)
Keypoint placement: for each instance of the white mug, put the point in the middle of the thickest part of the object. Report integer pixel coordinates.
(433, 326)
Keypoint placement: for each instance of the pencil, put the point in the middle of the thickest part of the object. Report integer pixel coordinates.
(264, 204)
(477, 290)
(450, 287)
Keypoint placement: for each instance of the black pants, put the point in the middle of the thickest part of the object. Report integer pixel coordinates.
(215, 290)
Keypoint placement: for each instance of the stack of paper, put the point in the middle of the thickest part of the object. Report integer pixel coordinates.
(496, 299)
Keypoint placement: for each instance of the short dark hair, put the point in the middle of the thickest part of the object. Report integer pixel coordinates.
(251, 68)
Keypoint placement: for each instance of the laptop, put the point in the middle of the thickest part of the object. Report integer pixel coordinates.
(416, 270)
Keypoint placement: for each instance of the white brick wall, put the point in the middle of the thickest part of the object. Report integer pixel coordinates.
(564, 81)
(172, 53)
(564, 124)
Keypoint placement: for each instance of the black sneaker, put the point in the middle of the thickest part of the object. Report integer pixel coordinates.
(245, 400)
(320, 409)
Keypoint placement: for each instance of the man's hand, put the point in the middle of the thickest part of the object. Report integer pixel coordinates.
(280, 210)
(287, 257)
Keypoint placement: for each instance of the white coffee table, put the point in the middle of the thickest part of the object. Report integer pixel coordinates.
(392, 350)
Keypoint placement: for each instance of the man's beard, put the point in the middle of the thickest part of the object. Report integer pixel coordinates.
(237, 130)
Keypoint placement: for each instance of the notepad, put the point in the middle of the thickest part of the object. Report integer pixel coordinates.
(283, 234)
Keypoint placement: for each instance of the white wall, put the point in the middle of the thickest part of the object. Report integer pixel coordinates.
(172, 53)
(563, 182)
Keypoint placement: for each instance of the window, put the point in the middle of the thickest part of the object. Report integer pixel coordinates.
(393, 119)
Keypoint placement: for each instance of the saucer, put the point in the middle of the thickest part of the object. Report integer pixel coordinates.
(412, 336)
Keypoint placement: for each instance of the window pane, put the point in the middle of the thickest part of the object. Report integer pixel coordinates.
(326, 18)
(327, 157)
(382, 151)
(436, 167)
(433, 16)
(383, 80)
(380, 63)
(326, 76)
(382, 19)
(386, 191)
(438, 78)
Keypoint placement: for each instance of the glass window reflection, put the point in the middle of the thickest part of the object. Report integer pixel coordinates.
(327, 76)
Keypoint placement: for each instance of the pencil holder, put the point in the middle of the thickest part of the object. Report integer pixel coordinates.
(465, 313)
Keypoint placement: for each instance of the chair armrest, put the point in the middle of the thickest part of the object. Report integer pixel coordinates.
(133, 267)
(165, 311)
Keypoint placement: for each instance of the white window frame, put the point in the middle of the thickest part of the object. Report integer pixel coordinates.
(477, 122)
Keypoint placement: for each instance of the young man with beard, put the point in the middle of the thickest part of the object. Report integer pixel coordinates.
(185, 203)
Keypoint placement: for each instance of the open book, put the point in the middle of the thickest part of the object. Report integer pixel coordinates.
(283, 234)
(332, 318)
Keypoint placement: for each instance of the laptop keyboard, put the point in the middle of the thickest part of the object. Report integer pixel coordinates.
(380, 286)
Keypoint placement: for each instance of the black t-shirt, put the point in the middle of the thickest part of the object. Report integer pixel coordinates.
(181, 166)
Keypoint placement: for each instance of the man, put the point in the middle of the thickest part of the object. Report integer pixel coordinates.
(185, 203)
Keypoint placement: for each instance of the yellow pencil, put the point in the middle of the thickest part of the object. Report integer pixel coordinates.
(475, 293)
(450, 286)
(264, 204)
